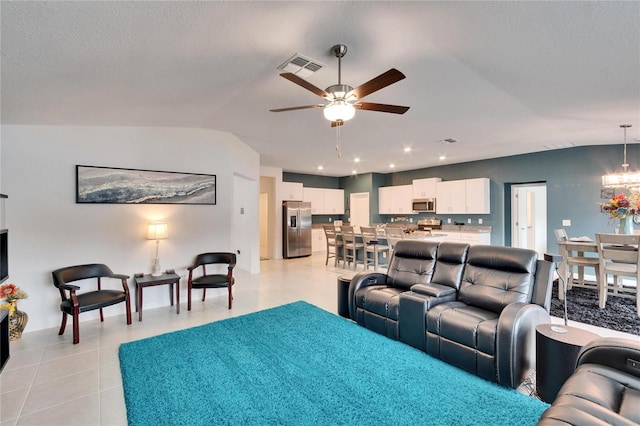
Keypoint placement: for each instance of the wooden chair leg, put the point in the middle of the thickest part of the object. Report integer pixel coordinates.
(128, 307)
(101, 316)
(230, 297)
(76, 327)
(188, 296)
(63, 325)
(204, 293)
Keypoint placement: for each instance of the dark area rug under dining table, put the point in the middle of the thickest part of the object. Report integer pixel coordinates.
(582, 305)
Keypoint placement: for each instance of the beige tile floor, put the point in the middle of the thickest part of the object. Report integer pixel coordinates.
(49, 381)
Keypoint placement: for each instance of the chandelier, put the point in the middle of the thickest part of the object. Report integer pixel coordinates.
(625, 179)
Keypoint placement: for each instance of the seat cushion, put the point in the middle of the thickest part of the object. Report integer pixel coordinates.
(470, 326)
(210, 281)
(382, 301)
(94, 300)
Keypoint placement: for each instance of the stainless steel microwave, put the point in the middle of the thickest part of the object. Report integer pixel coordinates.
(424, 205)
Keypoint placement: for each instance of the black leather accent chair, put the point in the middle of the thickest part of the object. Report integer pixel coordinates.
(490, 329)
(374, 298)
(603, 390)
(206, 281)
(74, 303)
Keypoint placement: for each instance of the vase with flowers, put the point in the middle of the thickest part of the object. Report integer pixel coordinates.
(623, 208)
(17, 319)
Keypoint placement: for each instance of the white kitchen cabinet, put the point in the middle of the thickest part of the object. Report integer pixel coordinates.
(334, 201)
(385, 201)
(318, 240)
(478, 196)
(395, 199)
(467, 196)
(425, 188)
(292, 191)
(315, 196)
(450, 197)
(325, 200)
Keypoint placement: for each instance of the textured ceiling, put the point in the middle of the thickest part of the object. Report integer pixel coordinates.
(502, 78)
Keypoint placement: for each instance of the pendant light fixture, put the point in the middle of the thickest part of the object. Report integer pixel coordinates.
(625, 179)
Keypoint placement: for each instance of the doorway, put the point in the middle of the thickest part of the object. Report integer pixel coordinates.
(529, 216)
(359, 209)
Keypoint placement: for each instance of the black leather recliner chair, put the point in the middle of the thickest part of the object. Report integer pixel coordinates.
(490, 329)
(604, 388)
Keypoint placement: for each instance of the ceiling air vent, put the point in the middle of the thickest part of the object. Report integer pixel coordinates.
(448, 140)
(301, 66)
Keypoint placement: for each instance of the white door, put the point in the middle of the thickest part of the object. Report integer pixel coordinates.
(359, 210)
(264, 225)
(529, 217)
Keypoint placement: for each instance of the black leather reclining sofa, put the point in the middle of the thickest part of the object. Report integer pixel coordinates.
(475, 307)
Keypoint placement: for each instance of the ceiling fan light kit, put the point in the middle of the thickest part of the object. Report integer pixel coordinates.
(343, 100)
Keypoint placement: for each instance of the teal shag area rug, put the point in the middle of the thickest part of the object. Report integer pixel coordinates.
(300, 365)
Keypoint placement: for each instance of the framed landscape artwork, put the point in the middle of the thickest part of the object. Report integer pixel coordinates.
(108, 185)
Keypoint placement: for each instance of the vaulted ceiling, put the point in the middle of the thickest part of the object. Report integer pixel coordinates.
(501, 78)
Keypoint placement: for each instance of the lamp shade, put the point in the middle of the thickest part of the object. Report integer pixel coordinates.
(157, 231)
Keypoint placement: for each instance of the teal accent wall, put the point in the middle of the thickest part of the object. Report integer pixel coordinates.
(572, 175)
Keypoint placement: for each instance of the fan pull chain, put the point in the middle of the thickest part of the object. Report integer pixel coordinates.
(338, 141)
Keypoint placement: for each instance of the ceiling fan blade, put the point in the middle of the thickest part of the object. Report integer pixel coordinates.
(369, 106)
(298, 107)
(304, 83)
(377, 83)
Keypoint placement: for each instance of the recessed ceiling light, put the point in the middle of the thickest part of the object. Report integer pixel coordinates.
(407, 149)
(320, 167)
(356, 160)
(392, 165)
(442, 157)
(354, 172)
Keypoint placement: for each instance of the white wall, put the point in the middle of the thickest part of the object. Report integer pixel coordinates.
(48, 230)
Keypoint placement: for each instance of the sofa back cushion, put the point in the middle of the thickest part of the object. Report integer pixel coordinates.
(495, 277)
(450, 264)
(412, 263)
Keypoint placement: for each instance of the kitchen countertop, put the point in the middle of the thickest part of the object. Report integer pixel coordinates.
(477, 229)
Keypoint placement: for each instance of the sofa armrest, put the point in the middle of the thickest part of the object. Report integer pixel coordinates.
(433, 290)
(516, 341)
(617, 353)
(361, 280)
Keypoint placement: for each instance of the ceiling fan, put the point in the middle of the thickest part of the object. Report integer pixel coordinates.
(343, 100)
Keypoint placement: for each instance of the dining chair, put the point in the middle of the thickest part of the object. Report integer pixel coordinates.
(334, 244)
(74, 302)
(619, 257)
(393, 236)
(351, 246)
(576, 261)
(212, 280)
(372, 246)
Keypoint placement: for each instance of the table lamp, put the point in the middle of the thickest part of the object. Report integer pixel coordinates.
(157, 231)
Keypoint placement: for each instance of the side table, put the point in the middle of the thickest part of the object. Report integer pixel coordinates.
(149, 281)
(343, 295)
(557, 348)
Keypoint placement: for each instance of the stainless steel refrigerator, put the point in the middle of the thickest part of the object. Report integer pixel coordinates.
(296, 241)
